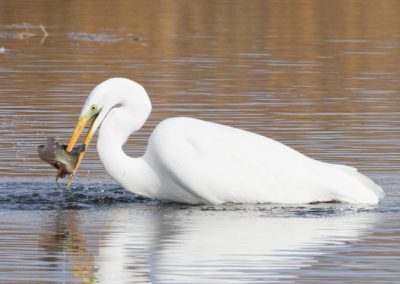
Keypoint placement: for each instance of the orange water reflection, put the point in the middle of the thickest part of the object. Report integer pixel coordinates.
(321, 76)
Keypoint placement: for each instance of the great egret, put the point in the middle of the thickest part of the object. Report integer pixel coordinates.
(193, 161)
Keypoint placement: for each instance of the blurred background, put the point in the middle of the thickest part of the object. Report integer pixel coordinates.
(320, 76)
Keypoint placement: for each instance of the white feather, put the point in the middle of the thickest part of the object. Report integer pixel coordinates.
(194, 161)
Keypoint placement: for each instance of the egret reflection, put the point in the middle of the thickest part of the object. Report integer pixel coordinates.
(178, 246)
(167, 243)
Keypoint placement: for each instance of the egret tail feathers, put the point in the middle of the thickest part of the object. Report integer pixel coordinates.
(364, 189)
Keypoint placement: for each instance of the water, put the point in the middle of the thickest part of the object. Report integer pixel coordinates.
(103, 234)
(321, 77)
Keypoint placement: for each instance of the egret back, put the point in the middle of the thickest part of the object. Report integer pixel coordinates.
(199, 161)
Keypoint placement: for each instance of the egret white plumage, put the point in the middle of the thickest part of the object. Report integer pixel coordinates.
(193, 161)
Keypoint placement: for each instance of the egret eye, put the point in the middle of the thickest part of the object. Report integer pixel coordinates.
(93, 108)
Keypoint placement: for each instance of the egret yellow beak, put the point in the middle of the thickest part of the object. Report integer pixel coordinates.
(83, 120)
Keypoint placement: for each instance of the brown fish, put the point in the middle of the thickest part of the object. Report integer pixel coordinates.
(57, 156)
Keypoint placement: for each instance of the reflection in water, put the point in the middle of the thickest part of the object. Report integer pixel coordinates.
(321, 82)
(169, 246)
(62, 240)
(167, 243)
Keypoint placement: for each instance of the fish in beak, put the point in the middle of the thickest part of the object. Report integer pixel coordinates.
(91, 116)
(57, 156)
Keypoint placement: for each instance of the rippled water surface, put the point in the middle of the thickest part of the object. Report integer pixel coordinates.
(320, 76)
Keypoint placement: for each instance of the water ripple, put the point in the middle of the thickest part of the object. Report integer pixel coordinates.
(46, 196)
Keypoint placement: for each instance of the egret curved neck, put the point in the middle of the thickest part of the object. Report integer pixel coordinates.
(132, 173)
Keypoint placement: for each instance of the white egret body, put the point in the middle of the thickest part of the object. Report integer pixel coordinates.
(194, 161)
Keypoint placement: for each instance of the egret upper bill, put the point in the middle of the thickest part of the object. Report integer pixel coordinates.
(193, 161)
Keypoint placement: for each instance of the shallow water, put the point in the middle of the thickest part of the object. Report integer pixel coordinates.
(103, 234)
(320, 76)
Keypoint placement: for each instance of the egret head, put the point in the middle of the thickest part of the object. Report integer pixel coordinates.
(112, 93)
